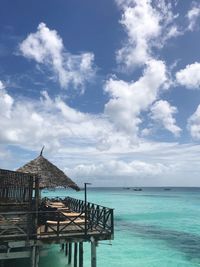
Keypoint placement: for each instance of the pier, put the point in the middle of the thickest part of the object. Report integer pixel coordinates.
(28, 223)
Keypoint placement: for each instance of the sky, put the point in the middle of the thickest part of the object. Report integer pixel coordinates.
(111, 88)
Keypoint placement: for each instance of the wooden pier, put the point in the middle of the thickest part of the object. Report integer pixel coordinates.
(27, 223)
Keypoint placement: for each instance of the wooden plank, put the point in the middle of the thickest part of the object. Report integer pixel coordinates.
(15, 255)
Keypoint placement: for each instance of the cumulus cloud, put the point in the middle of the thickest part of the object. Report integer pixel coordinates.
(29, 123)
(193, 15)
(189, 76)
(128, 100)
(147, 26)
(118, 168)
(194, 124)
(162, 112)
(46, 47)
(1, 85)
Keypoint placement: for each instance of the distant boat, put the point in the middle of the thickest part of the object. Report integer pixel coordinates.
(126, 188)
(137, 189)
(167, 189)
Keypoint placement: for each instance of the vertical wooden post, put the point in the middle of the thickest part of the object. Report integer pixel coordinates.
(33, 257)
(81, 254)
(70, 253)
(66, 249)
(93, 254)
(62, 246)
(75, 254)
(37, 256)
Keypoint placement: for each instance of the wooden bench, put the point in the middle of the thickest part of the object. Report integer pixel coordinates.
(73, 214)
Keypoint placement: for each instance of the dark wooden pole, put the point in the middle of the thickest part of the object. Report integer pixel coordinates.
(75, 254)
(66, 249)
(93, 254)
(81, 254)
(70, 253)
(85, 200)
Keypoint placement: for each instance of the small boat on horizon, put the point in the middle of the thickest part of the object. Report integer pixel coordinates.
(137, 189)
(167, 189)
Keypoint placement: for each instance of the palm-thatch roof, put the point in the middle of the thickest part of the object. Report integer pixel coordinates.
(50, 175)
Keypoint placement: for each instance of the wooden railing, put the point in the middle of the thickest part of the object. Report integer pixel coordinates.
(84, 220)
(17, 225)
(99, 218)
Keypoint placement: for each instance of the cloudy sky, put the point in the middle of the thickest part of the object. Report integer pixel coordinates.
(110, 87)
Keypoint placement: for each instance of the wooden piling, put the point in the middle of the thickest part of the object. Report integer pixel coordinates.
(93, 254)
(81, 254)
(75, 254)
(66, 249)
(70, 253)
(35, 256)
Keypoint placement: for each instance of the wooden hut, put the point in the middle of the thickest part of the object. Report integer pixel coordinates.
(50, 175)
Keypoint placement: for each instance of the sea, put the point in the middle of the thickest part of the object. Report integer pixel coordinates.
(153, 227)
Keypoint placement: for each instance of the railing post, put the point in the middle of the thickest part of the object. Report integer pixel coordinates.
(112, 221)
(58, 224)
(104, 217)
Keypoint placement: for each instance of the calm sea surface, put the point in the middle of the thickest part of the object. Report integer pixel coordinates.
(153, 227)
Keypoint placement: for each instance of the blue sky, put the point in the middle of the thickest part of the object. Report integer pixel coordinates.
(111, 88)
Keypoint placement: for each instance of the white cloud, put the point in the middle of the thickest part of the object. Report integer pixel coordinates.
(193, 15)
(1, 85)
(162, 112)
(128, 100)
(190, 76)
(194, 124)
(147, 26)
(31, 123)
(118, 168)
(46, 47)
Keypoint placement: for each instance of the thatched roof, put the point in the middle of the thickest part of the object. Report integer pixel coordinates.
(50, 175)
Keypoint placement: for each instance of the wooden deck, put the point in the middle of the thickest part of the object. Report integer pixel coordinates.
(58, 219)
(27, 223)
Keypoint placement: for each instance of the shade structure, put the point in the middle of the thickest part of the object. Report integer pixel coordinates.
(50, 175)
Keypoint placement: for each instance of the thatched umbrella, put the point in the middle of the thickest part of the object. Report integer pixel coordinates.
(50, 175)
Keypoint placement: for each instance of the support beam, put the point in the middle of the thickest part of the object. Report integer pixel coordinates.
(75, 254)
(70, 253)
(93, 254)
(81, 254)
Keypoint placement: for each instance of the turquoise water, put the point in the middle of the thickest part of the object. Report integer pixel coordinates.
(153, 227)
